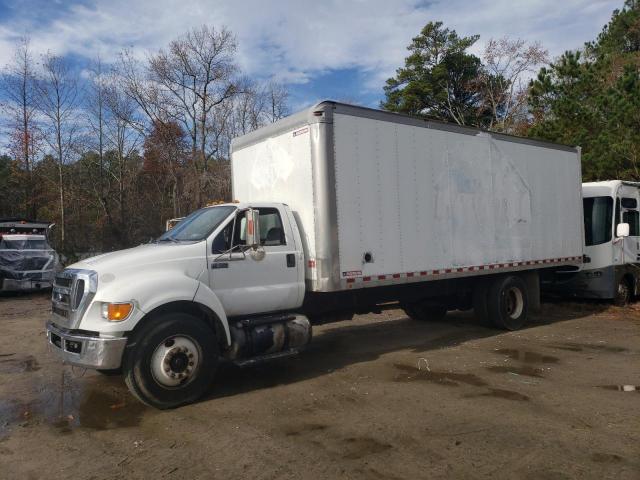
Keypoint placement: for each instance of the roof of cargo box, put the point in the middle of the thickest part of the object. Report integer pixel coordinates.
(322, 112)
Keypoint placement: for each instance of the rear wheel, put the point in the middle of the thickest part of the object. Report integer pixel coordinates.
(507, 302)
(171, 361)
(424, 311)
(623, 293)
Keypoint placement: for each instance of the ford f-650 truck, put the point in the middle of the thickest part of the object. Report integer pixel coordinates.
(342, 209)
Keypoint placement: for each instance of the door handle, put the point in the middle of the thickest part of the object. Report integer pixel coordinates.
(219, 265)
(291, 260)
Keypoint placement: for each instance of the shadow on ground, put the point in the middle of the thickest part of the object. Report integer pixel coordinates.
(344, 344)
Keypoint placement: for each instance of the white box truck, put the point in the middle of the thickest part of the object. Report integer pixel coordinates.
(611, 268)
(342, 209)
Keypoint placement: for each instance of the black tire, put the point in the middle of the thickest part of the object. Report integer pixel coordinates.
(507, 302)
(623, 293)
(143, 359)
(424, 311)
(112, 372)
(480, 308)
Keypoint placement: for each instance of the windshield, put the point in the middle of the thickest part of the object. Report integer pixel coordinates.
(198, 225)
(598, 215)
(6, 244)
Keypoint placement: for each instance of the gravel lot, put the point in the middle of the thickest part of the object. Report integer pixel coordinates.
(380, 397)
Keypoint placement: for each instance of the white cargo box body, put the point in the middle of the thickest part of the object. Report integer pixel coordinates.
(383, 198)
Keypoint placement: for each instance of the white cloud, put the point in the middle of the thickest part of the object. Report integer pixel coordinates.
(296, 40)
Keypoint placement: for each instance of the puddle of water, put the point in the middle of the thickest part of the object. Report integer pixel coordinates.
(526, 356)
(358, 447)
(505, 394)
(622, 388)
(602, 457)
(579, 347)
(525, 370)
(308, 428)
(9, 364)
(93, 403)
(451, 379)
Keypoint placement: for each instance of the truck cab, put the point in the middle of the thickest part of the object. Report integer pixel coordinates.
(230, 274)
(611, 244)
(27, 260)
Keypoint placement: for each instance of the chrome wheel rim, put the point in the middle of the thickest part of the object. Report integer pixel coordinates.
(514, 302)
(175, 361)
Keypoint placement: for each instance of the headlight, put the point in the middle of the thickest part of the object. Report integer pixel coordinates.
(116, 312)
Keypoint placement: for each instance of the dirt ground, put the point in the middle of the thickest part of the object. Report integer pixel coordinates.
(380, 397)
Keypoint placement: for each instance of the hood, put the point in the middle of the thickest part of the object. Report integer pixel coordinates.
(188, 258)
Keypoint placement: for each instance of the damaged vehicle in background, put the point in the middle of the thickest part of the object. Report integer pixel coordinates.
(27, 261)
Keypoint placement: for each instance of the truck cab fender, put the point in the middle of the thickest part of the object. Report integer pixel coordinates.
(207, 297)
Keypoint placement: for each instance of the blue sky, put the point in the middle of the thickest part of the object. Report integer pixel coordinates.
(321, 49)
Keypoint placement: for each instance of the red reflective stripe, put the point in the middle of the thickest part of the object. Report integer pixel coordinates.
(381, 277)
(410, 274)
(396, 275)
(366, 279)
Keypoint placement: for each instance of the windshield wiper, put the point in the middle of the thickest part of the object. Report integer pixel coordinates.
(169, 239)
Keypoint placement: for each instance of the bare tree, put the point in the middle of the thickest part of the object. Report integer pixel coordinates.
(507, 65)
(58, 100)
(123, 137)
(95, 112)
(277, 98)
(18, 89)
(184, 84)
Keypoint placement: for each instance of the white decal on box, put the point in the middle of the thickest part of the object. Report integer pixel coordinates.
(301, 131)
(272, 162)
(353, 273)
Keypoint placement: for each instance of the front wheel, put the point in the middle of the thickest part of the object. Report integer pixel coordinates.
(623, 293)
(171, 361)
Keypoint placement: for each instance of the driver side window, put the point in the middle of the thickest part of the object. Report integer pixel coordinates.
(225, 240)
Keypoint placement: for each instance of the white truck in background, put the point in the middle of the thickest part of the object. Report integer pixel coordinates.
(611, 269)
(343, 209)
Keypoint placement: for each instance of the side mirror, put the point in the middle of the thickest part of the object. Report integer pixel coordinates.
(253, 228)
(622, 230)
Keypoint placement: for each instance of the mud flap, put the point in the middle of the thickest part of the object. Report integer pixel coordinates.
(532, 281)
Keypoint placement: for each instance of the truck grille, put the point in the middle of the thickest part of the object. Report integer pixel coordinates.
(35, 263)
(71, 295)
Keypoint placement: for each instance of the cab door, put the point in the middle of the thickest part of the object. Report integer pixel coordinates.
(249, 283)
(629, 200)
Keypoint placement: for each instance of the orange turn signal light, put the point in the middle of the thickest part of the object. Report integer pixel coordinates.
(117, 312)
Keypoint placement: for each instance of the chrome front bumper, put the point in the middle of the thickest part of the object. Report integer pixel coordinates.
(85, 350)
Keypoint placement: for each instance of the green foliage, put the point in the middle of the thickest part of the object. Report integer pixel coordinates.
(592, 99)
(437, 78)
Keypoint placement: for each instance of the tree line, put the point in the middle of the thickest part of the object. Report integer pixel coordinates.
(588, 97)
(110, 153)
(110, 157)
